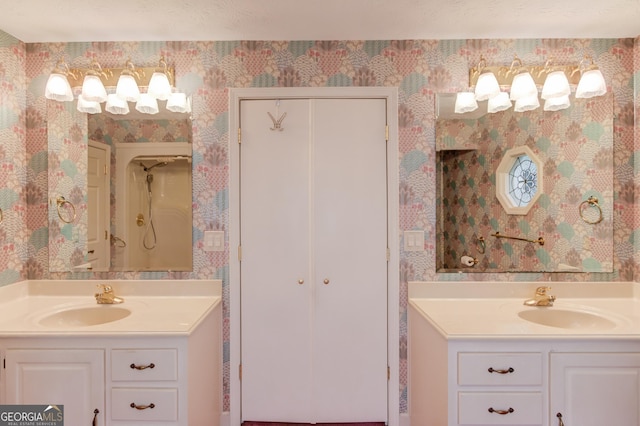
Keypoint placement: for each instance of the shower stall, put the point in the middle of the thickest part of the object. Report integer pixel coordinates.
(153, 207)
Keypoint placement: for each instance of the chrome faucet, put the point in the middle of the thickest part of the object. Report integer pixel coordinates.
(105, 295)
(541, 298)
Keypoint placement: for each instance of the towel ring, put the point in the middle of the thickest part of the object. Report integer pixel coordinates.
(591, 202)
(61, 202)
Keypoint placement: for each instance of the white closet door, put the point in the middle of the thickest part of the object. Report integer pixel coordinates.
(313, 209)
(276, 323)
(350, 327)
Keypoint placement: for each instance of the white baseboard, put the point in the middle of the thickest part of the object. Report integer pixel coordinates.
(225, 419)
(405, 420)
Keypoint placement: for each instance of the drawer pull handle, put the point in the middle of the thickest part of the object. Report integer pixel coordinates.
(95, 417)
(560, 422)
(142, 407)
(501, 412)
(510, 370)
(142, 367)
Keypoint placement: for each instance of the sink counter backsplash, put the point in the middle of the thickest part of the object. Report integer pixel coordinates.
(159, 307)
(496, 310)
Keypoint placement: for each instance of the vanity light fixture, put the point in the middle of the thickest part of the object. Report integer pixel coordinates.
(93, 89)
(127, 87)
(116, 105)
(487, 86)
(592, 81)
(124, 83)
(500, 102)
(465, 102)
(159, 86)
(147, 104)
(58, 87)
(89, 107)
(522, 86)
(523, 82)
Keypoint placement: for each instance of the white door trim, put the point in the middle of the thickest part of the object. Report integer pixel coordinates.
(393, 297)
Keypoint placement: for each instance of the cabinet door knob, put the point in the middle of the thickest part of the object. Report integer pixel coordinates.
(142, 367)
(300, 281)
(326, 281)
(142, 407)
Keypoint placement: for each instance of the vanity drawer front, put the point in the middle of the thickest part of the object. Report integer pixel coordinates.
(500, 369)
(148, 364)
(523, 408)
(164, 400)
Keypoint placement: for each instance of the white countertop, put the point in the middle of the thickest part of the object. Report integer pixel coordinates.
(158, 307)
(464, 310)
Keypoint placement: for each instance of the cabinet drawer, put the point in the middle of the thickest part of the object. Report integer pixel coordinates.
(165, 404)
(144, 364)
(474, 408)
(500, 369)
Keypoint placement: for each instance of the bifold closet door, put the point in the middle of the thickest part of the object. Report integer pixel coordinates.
(313, 266)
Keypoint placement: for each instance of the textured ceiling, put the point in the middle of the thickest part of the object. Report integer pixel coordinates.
(158, 20)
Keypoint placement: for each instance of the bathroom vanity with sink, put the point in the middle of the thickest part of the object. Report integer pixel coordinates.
(155, 358)
(486, 359)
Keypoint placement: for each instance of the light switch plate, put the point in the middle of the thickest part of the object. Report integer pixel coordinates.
(413, 240)
(213, 241)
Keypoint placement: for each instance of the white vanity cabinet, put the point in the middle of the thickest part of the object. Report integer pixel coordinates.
(173, 379)
(595, 388)
(478, 380)
(70, 377)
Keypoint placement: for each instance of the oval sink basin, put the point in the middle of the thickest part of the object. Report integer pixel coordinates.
(563, 318)
(93, 315)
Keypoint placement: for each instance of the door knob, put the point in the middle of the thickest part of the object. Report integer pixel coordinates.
(326, 281)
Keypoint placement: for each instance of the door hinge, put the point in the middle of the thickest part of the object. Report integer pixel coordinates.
(104, 172)
(240, 371)
(388, 373)
(240, 253)
(239, 135)
(388, 254)
(386, 132)
(106, 235)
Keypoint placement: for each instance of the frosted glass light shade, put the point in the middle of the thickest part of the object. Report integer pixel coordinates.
(557, 103)
(487, 86)
(527, 103)
(523, 86)
(591, 84)
(116, 105)
(498, 103)
(127, 88)
(159, 86)
(89, 107)
(147, 104)
(178, 102)
(58, 88)
(556, 85)
(465, 102)
(93, 90)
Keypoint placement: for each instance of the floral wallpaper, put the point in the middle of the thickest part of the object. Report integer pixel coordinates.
(207, 69)
(575, 151)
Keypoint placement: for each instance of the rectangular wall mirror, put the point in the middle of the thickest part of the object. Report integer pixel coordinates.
(525, 191)
(120, 191)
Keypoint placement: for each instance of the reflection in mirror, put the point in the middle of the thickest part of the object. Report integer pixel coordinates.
(157, 234)
(573, 149)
